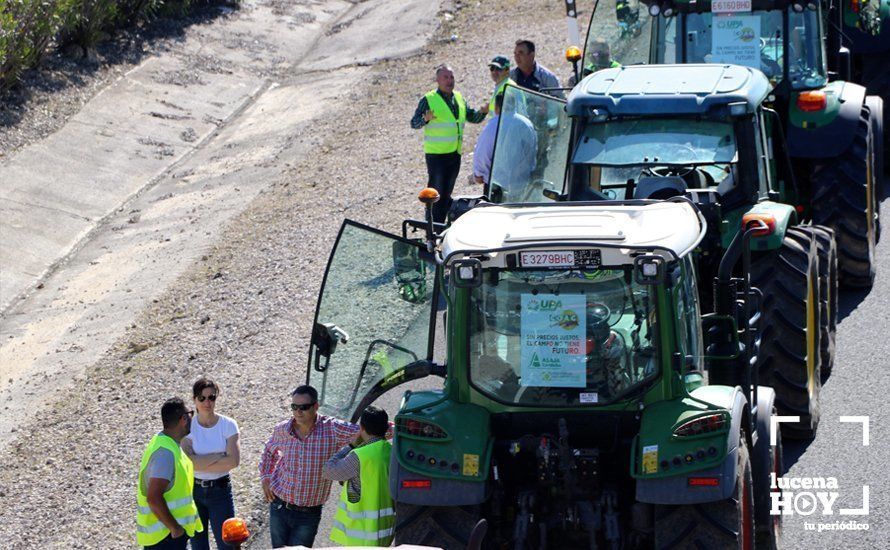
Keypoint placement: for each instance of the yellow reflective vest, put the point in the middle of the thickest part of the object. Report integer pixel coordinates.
(444, 133)
(370, 521)
(499, 90)
(149, 529)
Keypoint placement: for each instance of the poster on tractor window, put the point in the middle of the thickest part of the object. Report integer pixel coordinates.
(736, 40)
(552, 332)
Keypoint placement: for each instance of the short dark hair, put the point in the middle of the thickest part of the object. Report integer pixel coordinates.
(375, 421)
(499, 102)
(306, 389)
(171, 411)
(527, 43)
(443, 67)
(202, 384)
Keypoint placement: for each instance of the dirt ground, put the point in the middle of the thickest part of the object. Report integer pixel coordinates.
(238, 307)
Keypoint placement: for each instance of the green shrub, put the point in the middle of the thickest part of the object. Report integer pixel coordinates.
(27, 27)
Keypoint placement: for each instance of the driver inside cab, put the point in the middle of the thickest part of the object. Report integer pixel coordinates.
(605, 350)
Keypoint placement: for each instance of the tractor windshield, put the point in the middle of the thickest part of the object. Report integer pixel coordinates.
(756, 39)
(561, 338)
(657, 141)
(634, 158)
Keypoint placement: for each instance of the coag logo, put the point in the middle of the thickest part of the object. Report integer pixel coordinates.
(568, 319)
(746, 34)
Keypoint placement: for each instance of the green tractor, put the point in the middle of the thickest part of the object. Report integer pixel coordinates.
(701, 131)
(833, 128)
(858, 46)
(574, 412)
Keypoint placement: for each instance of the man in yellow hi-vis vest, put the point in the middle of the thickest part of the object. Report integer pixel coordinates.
(442, 113)
(365, 514)
(166, 514)
(499, 67)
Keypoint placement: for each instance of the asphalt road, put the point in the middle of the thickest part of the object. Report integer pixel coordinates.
(859, 386)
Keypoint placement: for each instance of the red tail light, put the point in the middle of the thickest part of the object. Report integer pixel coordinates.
(416, 484)
(419, 428)
(702, 425)
(703, 481)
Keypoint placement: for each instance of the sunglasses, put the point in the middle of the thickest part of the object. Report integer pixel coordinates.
(189, 414)
(203, 398)
(304, 408)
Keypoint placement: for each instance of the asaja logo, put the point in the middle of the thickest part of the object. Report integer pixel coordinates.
(568, 319)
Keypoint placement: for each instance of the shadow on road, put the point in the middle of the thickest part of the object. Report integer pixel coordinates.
(792, 450)
(849, 300)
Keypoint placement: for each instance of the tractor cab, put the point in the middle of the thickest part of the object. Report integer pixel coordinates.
(781, 39)
(574, 410)
(649, 132)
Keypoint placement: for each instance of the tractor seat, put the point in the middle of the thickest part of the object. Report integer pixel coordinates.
(653, 187)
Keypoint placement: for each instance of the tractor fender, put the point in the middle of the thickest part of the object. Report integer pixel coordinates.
(439, 492)
(785, 217)
(449, 469)
(827, 133)
(760, 454)
(676, 489)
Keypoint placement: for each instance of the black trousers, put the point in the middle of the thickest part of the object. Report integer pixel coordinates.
(442, 171)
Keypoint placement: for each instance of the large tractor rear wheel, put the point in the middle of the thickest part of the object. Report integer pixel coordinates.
(446, 527)
(789, 359)
(876, 116)
(828, 293)
(844, 199)
(725, 524)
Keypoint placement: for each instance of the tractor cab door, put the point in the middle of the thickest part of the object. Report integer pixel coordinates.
(619, 34)
(374, 319)
(531, 148)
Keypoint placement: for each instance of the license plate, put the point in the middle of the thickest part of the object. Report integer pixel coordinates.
(561, 258)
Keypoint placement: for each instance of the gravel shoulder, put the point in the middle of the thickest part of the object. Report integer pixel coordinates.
(240, 304)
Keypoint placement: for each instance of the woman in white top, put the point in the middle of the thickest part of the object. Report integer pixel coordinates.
(215, 449)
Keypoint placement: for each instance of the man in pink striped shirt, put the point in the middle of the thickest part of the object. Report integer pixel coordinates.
(291, 468)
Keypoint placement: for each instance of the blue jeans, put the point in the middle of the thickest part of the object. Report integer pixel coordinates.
(215, 505)
(293, 527)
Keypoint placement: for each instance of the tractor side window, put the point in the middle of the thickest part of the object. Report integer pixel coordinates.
(618, 35)
(692, 311)
(531, 148)
(763, 181)
(806, 59)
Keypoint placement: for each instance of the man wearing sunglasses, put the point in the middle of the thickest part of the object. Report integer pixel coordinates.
(292, 464)
(166, 514)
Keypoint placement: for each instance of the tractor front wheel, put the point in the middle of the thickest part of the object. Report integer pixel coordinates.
(725, 524)
(789, 358)
(447, 527)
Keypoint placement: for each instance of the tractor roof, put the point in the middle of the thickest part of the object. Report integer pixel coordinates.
(668, 89)
(672, 225)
